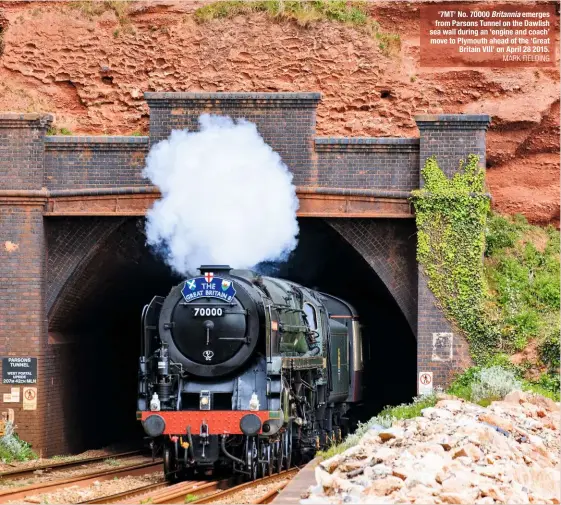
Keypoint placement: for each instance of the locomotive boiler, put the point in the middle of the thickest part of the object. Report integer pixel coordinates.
(246, 371)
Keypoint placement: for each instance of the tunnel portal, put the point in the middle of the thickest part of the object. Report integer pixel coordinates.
(96, 326)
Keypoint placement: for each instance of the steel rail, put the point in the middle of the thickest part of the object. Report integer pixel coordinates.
(247, 485)
(80, 481)
(272, 494)
(131, 493)
(177, 493)
(30, 471)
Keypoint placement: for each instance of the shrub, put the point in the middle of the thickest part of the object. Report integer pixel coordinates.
(12, 448)
(500, 233)
(494, 383)
(549, 351)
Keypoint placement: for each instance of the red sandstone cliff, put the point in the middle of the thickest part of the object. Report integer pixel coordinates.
(91, 72)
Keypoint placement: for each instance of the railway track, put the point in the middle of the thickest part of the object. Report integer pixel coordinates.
(130, 494)
(61, 465)
(278, 482)
(20, 493)
(157, 493)
(201, 491)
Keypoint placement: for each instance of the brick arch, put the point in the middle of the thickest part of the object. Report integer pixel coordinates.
(389, 247)
(71, 244)
(95, 268)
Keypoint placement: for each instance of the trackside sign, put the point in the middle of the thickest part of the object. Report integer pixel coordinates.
(19, 370)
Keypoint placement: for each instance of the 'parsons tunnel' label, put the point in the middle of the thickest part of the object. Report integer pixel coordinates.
(19, 370)
(208, 286)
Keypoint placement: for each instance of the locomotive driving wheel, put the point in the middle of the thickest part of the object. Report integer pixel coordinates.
(287, 449)
(170, 464)
(265, 463)
(278, 455)
(252, 457)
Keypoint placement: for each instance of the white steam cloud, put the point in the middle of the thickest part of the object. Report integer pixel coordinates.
(227, 197)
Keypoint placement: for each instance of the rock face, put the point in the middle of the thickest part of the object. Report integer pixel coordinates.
(91, 69)
(457, 452)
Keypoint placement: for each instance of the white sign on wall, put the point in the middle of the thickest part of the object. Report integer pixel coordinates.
(425, 383)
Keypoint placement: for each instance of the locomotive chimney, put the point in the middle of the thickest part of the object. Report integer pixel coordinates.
(224, 269)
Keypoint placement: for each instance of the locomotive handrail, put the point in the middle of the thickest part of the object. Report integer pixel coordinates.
(270, 336)
(143, 331)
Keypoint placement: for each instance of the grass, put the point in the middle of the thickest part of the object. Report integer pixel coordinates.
(305, 14)
(93, 8)
(111, 462)
(190, 497)
(53, 130)
(60, 457)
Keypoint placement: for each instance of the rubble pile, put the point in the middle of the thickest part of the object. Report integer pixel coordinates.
(457, 452)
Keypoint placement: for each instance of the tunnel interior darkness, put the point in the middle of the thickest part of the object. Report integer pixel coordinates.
(124, 275)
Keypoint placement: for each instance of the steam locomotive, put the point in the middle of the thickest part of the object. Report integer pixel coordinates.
(247, 372)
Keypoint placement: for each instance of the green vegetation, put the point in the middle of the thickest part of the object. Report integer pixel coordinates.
(485, 385)
(509, 305)
(522, 272)
(513, 302)
(451, 216)
(111, 462)
(12, 448)
(190, 497)
(53, 130)
(93, 8)
(305, 13)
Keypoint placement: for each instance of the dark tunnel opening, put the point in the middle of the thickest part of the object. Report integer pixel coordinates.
(124, 275)
(324, 261)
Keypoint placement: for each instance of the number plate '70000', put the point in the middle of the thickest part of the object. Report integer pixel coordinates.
(208, 311)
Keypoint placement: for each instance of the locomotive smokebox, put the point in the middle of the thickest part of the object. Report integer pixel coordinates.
(217, 269)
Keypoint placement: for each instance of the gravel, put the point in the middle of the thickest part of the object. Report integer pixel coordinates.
(250, 494)
(74, 494)
(22, 465)
(65, 473)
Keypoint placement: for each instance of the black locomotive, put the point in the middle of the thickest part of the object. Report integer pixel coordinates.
(246, 371)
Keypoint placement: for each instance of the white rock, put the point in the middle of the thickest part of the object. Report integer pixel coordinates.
(434, 413)
(323, 478)
(381, 470)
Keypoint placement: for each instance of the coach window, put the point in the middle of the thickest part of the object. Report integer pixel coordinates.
(311, 315)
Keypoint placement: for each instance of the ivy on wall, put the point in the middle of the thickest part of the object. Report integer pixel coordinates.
(501, 304)
(451, 215)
